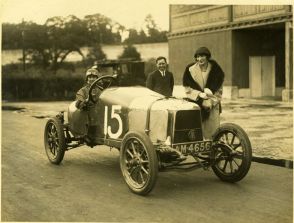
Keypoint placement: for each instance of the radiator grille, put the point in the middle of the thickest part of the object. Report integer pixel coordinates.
(187, 126)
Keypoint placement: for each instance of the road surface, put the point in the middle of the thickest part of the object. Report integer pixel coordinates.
(88, 186)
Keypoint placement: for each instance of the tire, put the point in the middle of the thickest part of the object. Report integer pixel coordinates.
(232, 147)
(54, 141)
(138, 162)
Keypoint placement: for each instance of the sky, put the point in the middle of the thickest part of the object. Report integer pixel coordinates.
(129, 13)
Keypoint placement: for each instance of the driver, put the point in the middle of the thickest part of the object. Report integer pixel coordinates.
(82, 95)
(83, 103)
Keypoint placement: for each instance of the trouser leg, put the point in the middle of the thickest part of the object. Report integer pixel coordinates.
(92, 131)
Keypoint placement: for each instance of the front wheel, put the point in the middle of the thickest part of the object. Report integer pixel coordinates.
(138, 162)
(54, 140)
(232, 153)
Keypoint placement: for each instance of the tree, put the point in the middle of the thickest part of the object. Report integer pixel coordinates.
(102, 29)
(65, 35)
(150, 34)
(130, 52)
(136, 37)
(36, 44)
(133, 37)
(11, 36)
(143, 36)
(49, 44)
(95, 53)
(28, 36)
(154, 34)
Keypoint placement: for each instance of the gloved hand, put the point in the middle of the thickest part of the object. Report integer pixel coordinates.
(88, 104)
(84, 106)
(202, 95)
(208, 91)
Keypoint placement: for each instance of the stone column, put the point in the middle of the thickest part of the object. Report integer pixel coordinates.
(287, 93)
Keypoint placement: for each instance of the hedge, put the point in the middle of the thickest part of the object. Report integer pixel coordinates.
(40, 88)
(38, 84)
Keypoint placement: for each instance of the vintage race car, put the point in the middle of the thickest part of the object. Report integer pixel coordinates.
(152, 132)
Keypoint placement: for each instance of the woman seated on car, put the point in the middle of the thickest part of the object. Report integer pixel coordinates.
(203, 81)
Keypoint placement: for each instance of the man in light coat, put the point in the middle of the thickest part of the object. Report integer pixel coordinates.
(203, 81)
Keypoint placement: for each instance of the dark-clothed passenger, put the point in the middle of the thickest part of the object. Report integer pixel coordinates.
(161, 80)
(83, 103)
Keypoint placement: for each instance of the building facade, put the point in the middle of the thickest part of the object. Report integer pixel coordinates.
(252, 43)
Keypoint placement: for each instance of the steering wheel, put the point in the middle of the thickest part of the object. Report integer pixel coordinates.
(99, 85)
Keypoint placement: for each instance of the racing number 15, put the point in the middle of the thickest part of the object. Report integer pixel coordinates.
(114, 115)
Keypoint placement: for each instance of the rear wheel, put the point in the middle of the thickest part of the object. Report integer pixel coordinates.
(232, 153)
(138, 162)
(54, 141)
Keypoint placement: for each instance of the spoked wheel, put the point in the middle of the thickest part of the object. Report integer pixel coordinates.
(138, 163)
(54, 141)
(232, 153)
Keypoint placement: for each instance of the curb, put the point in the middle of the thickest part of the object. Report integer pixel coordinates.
(275, 162)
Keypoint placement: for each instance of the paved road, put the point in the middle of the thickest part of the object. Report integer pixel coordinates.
(88, 186)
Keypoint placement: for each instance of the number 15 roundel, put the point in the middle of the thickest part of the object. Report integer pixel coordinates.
(114, 117)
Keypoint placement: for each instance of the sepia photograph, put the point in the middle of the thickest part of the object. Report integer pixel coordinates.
(146, 111)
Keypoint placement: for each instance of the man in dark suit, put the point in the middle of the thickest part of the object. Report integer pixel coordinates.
(161, 80)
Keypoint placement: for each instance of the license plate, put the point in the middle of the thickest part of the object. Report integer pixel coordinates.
(193, 147)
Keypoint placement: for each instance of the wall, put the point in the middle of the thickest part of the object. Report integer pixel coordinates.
(192, 17)
(187, 17)
(181, 52)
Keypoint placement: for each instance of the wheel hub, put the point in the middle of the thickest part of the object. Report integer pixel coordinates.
(229, 153)
(136, 161)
